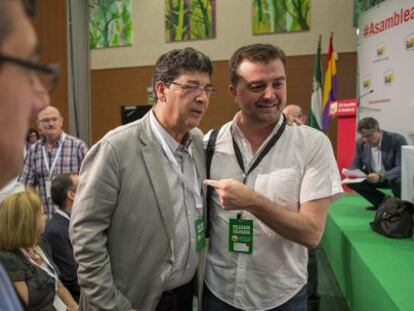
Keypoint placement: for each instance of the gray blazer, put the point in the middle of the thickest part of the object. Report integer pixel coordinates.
(390, 155)
(122, 224)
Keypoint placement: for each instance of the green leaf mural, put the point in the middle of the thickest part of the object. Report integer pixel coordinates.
(361, 6)
(280, 16)
(190, 20)
(110, 23)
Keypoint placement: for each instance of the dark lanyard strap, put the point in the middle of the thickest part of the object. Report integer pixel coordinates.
(262, 154)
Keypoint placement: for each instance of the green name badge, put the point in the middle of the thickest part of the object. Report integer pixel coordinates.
(200, 234)
(241, 236)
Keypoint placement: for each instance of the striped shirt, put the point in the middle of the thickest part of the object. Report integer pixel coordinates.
(8, 298)
(35, 172)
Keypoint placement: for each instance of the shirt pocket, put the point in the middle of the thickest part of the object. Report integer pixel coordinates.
(281, 186)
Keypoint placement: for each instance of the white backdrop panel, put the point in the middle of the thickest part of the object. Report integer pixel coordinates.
(386, 66)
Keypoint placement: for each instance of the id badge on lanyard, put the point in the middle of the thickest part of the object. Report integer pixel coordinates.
(200, 234)
(191, 185)
(241, 235)
(50, 169)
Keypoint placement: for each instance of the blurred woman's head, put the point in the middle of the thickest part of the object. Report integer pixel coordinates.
(22, 221)
(32, 136)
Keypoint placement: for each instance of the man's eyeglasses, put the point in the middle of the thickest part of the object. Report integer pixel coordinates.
(197, 90)
(47, 120)
(46, 74)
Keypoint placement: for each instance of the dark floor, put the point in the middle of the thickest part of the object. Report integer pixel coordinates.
(331, 296)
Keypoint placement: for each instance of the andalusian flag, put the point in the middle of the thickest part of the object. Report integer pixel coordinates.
(329, 90)
(315, 114)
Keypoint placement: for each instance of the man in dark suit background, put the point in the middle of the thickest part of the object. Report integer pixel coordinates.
(378, 154)
(63, 192)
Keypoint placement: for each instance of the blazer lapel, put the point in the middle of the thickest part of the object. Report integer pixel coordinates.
(199, 161)
(153, 161)
(367, 157)
(385, 146)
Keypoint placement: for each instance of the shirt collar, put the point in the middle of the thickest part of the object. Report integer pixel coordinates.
(171, 142)
(63, 213)
(235, 130)
(56, 142)
(378, 147)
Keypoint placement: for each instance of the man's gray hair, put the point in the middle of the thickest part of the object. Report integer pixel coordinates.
(368, 124)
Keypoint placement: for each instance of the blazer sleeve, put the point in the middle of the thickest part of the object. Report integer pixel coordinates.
(94, 205)
(357, 162)
(395, 171)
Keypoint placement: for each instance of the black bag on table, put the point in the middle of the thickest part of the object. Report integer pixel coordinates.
(394, 218)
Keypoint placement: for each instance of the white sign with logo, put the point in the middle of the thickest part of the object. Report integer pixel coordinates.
(386, 66)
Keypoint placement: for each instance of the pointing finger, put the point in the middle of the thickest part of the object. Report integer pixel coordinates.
(211, 182)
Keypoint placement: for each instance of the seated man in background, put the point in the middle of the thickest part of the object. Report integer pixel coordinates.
(378, 154)
(57, 231)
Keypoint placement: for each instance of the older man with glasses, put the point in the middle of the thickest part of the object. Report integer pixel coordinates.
(137, 225)
(54, 154)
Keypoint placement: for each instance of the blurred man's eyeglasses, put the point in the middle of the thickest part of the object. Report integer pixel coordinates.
(46, 74)
(49, 120)
(196, 89)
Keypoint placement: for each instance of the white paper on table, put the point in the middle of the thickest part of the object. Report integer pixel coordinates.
(356, 173)
(353, 180)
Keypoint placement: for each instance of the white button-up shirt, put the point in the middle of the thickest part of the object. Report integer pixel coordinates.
(301, 167)
(183, 204)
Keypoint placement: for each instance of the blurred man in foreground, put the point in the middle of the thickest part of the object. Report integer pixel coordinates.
(21, 97)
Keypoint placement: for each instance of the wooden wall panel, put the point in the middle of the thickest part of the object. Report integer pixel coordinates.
(114, 88)
(50, 24)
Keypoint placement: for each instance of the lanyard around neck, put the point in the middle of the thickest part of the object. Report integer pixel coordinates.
(262, 154)
(49, 269)
(46, 158)
(192, 186)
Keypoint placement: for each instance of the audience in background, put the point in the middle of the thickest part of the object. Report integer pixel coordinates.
(26, 258)
(273, 185)
(137, 225)
(14, 185)
(32, 137)
(378, 154)
(57, 231)
(295, 114)
(55, 153)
